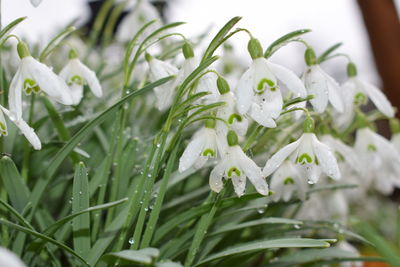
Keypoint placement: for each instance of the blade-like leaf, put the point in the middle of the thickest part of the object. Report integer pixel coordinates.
(284, 40)
(144, 256)
(329, 51)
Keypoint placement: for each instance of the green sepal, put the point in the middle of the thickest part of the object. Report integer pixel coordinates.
(23, 50)
(308, 125)
(232, 138)
(223, 85)
(310, 57)
(148, 57)
(255, 48)
(210, 123)
(72, 53)
(187, 50)
(351, 69)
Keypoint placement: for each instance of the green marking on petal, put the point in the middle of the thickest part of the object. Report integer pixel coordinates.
(273, 89)
(233, 170)
(208, 152)
(2, 126)
(372, 148)
(76, 79)
(288, 180)
(360, 99)
(233, 117)
(31, 86)
(262, 82)
(304, 159)
(339, 156)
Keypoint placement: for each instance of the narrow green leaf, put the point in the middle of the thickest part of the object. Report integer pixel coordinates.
(312, 255)
(267, 244)
(55, 42)
(13, 183)
(329, 51)
(144, 256)
(80, 201)
(9, 27)
(44, 237)
(284, 40)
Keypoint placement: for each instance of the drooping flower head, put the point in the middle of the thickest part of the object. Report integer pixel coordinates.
(318, 83)
(310, 156)
(34, 77)
(76, 75)
(258, 93)
(236, 165)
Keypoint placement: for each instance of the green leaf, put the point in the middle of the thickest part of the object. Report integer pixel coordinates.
(13, 183)
(80, 201)
(284, 40)
(55, 42)
(329, 51)
(216, 42)
(44, 237)
(9, 27)
(144, 256)
(267, 244)
(254, 223)
(311, 255)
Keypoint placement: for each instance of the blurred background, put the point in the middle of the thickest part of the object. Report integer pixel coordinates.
(369, 29)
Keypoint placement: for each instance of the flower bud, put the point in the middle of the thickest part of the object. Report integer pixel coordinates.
(232, 138)
(210, 123)
(72, 54)
(223, 86)
(187, 50)
(310, 57)
(23, 50)
(255, 48)
(351, 70)
(308, 125)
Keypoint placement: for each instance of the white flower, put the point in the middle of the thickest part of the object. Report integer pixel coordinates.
(33, 76)
(9, 259)
(237, 166)
(324, 88)
(310, 155)
(35, 3)
(286, 181)
(353, 253)
(228, 112)
(258, 93)
(164, 93)
(357, 92)
(380, 161)
(76, 75)
(27, 131)
(141, 14)
(204, 145)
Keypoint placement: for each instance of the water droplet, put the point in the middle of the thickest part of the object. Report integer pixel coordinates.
(158, 145)
(131, 241)
(151, 207)
(155, 195)
(141, 202)
(146, 209)
(296, 226)
(310, 182)
(260, 211)
(149, 175)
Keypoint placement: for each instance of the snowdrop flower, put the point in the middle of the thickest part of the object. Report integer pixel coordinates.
(164, 93)
(27, 131)
(286, 181)
(228, 112)
(203, 146)
(258, 93)
(33, 76)
(35, 3)
(321, 85)
(9, 259)
(141, 14)
(380, 161)
(356, 92)
(353, 253)
(76, 75)
(237, 166)
(310, 155)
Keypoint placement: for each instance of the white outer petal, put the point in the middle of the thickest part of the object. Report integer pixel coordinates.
(239, 184)
(378, 98)
(192, 151)
(9, 259)
(276, 160)
(316, 84)
(334, 94)
(90, 77)
(15, 94)
(26, 130)
(216, 183)
(289, 78)
(257, 114)
(326, 159)
(244, 91)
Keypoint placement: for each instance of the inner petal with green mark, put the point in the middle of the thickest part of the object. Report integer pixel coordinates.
(233, 117)
(360, 99)
(371, 148)
(288, 180)
(304, 159)
(76, 79)
(263, 83)
(31, 86)
(3, 129)
(233, 170)
(208, 152)
(339, 156)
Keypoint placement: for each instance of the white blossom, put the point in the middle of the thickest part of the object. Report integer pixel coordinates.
(36, 3)
(228, 112)
(9, 259)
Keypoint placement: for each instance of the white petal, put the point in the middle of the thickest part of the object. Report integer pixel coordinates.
(9, 259)
(378, 98)
(272, 103)
(244, 91)
(216, 183)
(253, 172)
(316, 84)
(91, 79)
(326, 159)
(264, 119)
(192, 152)
(27, 131)
(36, 3)
(334, 94)
(15, 95)
(289, 78)
(239, 184)
(76, 93)
(276, 160)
